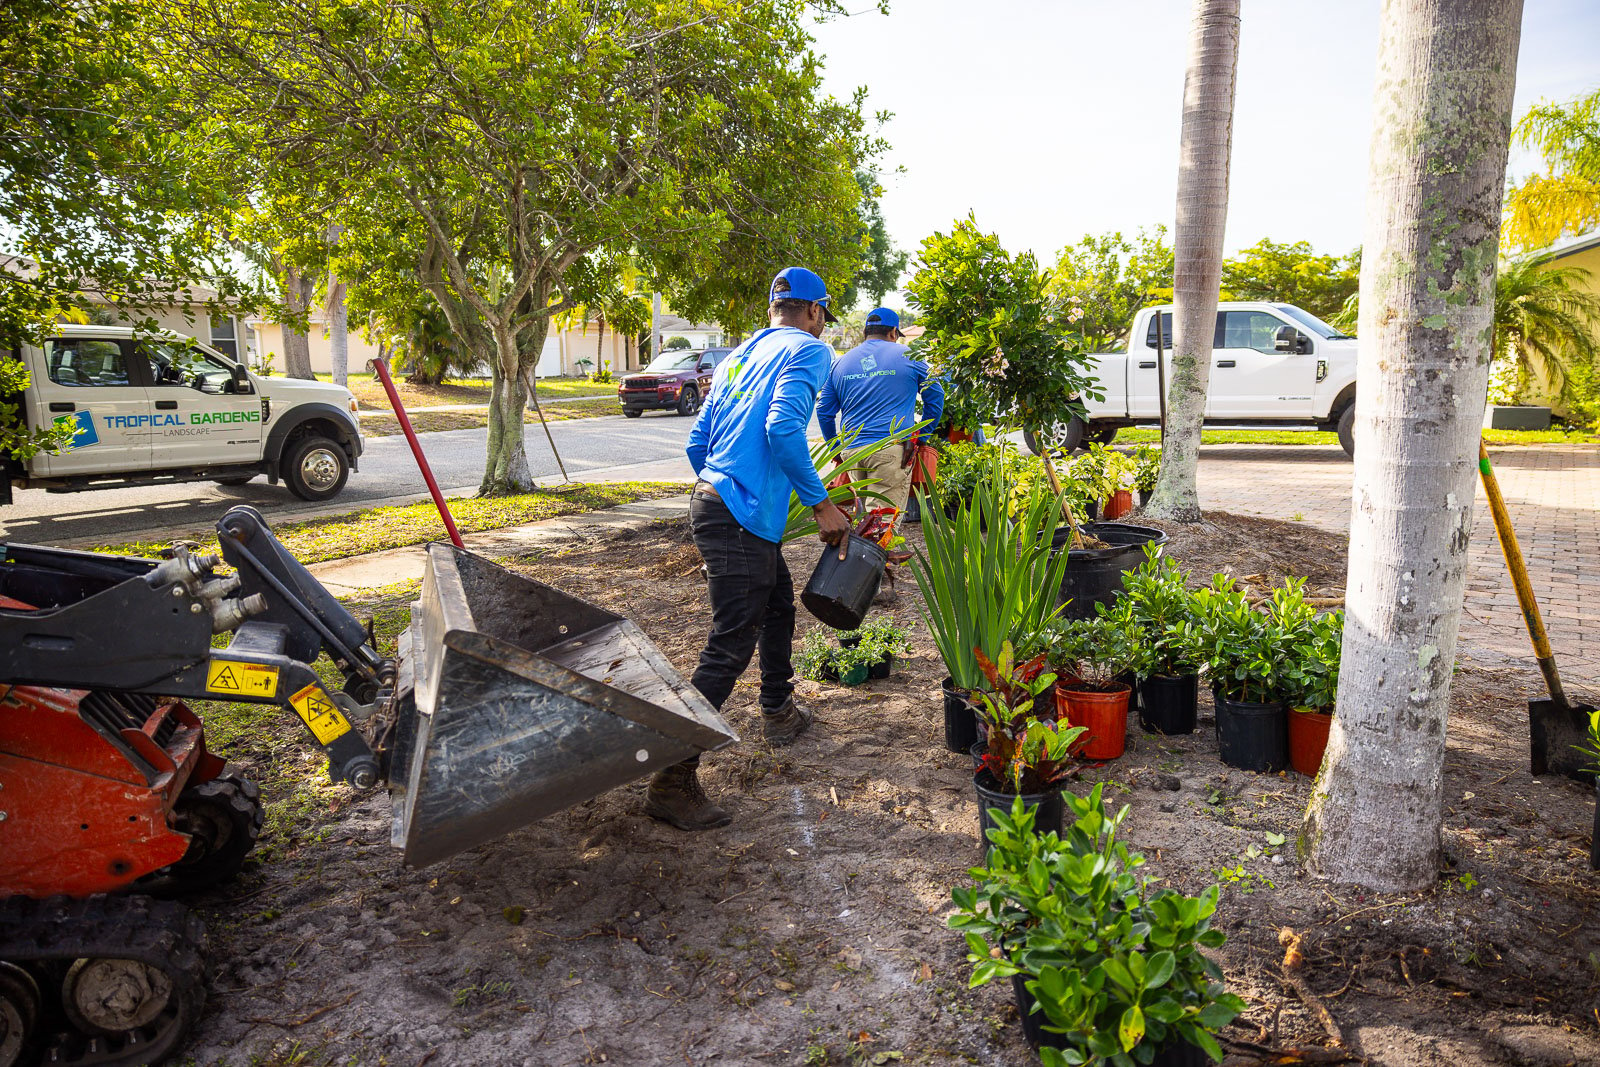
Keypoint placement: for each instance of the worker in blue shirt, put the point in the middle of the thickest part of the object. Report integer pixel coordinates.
(873, 391)
(748, 449)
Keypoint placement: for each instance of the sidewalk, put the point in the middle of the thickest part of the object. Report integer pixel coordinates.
(1552, 492)
(350, 576)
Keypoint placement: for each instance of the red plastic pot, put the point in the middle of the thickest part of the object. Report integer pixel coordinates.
(1104, 718)
(1120, 504)
(925, 467)
(1308, 739)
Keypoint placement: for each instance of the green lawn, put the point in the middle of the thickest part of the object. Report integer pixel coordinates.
(374, 529)
(1140, 435)
(367, 388)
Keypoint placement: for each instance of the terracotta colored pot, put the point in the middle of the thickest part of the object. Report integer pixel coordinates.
(1104, 718)
(1308, 738)
(925, 467)
(1120, 504)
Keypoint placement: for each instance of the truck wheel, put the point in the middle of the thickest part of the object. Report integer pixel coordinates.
(233, 482)
(1347, 431)
(1101, 435)
(1055, 438)
(688, 400)
(317, 468)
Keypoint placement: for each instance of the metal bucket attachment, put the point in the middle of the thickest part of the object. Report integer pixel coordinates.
(516, 700)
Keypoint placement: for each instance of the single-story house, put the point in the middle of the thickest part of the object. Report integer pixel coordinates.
(698, 334)
(1582, 252)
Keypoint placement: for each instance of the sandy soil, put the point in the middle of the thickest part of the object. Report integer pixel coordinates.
(811, 930)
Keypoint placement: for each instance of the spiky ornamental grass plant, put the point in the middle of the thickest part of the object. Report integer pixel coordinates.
(985, 578)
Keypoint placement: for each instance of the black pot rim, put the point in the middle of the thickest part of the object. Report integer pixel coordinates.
(997, 790)
(1148, 535)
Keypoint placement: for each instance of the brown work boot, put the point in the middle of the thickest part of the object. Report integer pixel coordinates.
(787, 723)
(675, 797)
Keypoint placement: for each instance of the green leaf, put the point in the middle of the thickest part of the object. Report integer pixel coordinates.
(1162, 964)
(1118, 973)
(1131, 1028)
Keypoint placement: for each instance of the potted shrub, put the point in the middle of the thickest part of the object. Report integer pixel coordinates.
(1094, 652)
(1104, 970)
(1159, 602)
(1146, 469)
(1316, 675)
(983, 578)
(879, 642)
(1249, 655)
(1591, 749)
(820, 660)
(1024, 757)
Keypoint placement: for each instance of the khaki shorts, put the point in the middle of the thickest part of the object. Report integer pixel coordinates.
(894, 480)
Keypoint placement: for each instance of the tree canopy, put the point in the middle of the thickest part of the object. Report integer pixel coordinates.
(1565, 199)
(1110, 277)
(1293, 274)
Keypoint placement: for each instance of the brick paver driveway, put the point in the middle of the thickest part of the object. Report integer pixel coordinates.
(1553, 492)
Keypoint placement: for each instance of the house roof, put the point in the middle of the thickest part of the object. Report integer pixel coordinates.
(1568, 246)
(679, 324)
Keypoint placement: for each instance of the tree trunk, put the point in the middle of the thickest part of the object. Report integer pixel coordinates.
(506, 471)
(1441, 127)
(1207, 142)
(338, 331)
(600, 351)
(297, 293)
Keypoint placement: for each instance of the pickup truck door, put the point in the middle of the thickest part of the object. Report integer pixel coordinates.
(89, 382)
(1250, 378)
(1143, 380)
(197, 418)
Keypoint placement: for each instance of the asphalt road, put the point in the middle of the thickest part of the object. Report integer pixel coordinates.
(387, 474)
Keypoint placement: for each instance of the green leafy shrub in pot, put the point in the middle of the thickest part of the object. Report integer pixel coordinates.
(1249, 654)
(1092, 652)
(1025, 755)
(1313, 672)
(1146, 467)
(821, 660)
(878, 641)
(1159, 603)
(1116, 970)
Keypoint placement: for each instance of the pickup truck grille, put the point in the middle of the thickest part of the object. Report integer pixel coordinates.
(638, 383)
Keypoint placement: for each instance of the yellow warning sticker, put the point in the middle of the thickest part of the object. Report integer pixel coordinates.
(230, 677)
(317, 710)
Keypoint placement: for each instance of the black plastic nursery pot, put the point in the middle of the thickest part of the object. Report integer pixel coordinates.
(1131, 680)
(881, 668)
(1252, 736)
(960, 724)
(1594, 839)
(979, 749)
(1168, 703)
(853, 676)
(1049, 806)
(1553, 730)
(1094, 575)
(841, 590)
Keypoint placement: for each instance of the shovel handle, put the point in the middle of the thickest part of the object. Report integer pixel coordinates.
(1519, 578)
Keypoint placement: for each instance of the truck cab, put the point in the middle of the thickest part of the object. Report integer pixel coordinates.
(160, 407)
(1273, 366)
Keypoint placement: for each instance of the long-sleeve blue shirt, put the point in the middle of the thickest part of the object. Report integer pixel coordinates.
(749, 442)
(874, 386)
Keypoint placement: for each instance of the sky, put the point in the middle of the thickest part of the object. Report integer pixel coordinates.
(1051, 119)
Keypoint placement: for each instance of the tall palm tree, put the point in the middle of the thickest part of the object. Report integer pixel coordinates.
(1441, 123)
(1566, 198)
(1544, 320)
(1203, 157)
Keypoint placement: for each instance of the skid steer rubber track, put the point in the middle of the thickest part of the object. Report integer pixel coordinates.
(120, 979)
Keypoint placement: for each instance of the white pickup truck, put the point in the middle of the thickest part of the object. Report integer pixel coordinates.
(1273, 366)
(156, 407)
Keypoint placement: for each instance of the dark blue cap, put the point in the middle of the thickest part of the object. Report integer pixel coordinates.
(797, 283)
(883, 317)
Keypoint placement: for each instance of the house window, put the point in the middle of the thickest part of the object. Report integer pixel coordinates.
(224, 336)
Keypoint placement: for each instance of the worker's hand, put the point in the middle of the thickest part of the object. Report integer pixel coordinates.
(832, 527)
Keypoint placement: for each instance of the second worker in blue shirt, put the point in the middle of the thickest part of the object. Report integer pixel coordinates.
(873, 390)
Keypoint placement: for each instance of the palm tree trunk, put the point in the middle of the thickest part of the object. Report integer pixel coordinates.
(1441, 127)
(1203, 156)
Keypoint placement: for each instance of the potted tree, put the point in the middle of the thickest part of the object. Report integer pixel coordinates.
(1094, 652)
(1159, 602)
(1104, 970)
(1024, 757)
(1315, 674)
(1248, 654)
(1146, 469)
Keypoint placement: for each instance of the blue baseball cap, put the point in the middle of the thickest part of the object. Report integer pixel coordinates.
(797, 283)
(883, 317)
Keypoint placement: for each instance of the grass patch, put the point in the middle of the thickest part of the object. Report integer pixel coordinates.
(375, 529)
(1151, 435)
(369, 391)
(434, 421)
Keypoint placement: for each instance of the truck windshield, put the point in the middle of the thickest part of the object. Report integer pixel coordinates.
(1312, 323)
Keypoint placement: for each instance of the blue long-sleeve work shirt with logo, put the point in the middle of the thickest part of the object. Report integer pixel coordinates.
(749, 442)
(874, 388)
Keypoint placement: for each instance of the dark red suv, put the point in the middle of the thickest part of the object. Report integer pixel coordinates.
(679, 379)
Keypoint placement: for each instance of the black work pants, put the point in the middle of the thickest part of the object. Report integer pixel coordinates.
(752, 607)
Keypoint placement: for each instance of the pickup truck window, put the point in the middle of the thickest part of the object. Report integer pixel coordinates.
(176, 364)
(1166, 331)
(86, 363)
(1312, 323)
(1248, 329)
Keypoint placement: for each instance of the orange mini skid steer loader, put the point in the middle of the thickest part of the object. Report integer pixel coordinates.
(508, 700)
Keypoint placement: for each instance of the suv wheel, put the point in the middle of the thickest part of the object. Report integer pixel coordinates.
(688, 400)
(1347, 430)
(632, 413)
(316, 468)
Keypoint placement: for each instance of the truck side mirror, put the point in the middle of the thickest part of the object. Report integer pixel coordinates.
(241, 380)
(1289, 339)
